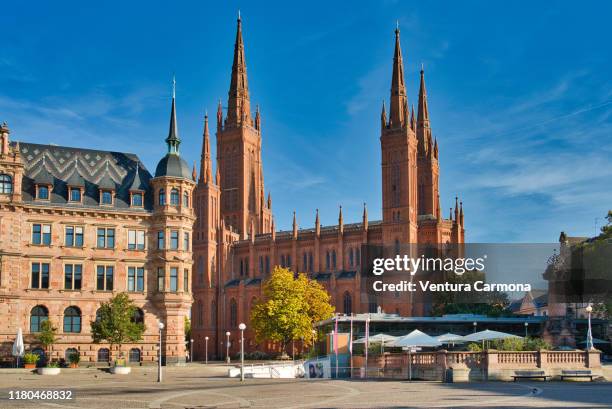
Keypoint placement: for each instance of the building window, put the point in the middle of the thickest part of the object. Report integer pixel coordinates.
(134, 355)
(348, 303)
(327, 260)
(138, 316)
(136, 279)
(185, 199)
(174, 239)
(310, 262)
(75, 194)
(104, 278)
(200, 270)
(233, 313)
(41, 234)
(38, 314)
(186, 241)
(357, 256)
(136, 239)
(72, 320)
(107, 197)
(351, 257)
(267, 264)
(162, 197)
(103, 355)
(333, 259)
(137, 199)
(161, 279)
(282, 261)
(200, 313)
(73, 276)
(213, 314)
(160, 240)
(186, 280)
(173, 279)
(70, 352)
(174, 197)
(40, 275)
(106, 238)
(261, 264)
(6, 184)
(43, 192)
(74, 236)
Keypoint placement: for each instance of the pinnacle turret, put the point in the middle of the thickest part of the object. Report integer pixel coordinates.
(397, 115)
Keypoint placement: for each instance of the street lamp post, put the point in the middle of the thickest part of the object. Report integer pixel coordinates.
(474, 324)
(191, 350)
(227, 358)
(526, 325)
(160, 325)
(206, 339)
(589, 343)
(242, 327)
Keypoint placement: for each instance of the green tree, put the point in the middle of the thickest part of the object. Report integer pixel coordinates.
(492, 303)
(47, 335)
(289, 308)
(187, 327)
(115, 323)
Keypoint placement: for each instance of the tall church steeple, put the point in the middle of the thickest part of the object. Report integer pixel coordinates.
(238, 106)
(423, 125)
(399, 101)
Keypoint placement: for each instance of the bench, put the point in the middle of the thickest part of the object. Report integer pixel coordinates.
(530, 375)
(577, 374)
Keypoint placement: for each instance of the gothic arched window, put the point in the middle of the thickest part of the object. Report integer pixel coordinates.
(233, 313)
(348, 303)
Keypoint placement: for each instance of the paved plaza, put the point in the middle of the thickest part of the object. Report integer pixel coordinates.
(198, 386)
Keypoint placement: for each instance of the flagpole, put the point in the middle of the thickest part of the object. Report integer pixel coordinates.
(351, 346)
(367, 344)
(336, 345)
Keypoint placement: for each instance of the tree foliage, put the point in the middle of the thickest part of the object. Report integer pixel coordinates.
(289, 308)
(492, 303)
(115, 323)
(47, 335)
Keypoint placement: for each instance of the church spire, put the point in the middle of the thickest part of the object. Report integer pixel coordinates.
(295, 226)
(423, 114)
(206, 161)
(173, 141)
(365, 217)
(398, 87)
(238, 106)
(383, 116)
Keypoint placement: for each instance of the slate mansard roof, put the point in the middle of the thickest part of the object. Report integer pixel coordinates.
(91, 169)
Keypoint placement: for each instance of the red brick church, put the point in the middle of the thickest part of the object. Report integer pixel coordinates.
(236, 244)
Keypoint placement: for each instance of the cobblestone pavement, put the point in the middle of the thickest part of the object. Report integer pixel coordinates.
(198, 386)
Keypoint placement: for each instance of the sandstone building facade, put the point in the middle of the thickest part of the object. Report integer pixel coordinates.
(78, 226)
(236, 244)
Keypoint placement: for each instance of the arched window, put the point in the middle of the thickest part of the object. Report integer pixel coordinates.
(185, 199)
(103, 355)
(351, 257)
(69, 352)
(6, 184)
(310, 262)
(162, 197)
(348, 303)
(333, 259)
(357, 256)
(37, 316)
(98, 314)
(72, 319)
(138, 316)
(200, 270)
(327, 260)
(200, 314)
(233, 313)
(134, 355)
(174, 197)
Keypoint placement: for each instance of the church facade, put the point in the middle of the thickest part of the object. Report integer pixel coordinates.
(236, 244)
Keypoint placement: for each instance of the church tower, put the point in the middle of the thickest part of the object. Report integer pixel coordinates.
(399, 161)
(428, 168)
(239, 154)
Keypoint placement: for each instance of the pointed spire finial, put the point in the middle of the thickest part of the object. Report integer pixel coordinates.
(173, 141)
(239, 15)
(397, 26)
(399, 100)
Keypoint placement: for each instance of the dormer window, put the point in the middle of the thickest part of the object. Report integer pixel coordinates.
(106, 197)
(75, 194)
(42, 192)
(137, 199)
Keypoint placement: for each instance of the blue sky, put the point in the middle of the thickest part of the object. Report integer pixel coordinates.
(520, 97)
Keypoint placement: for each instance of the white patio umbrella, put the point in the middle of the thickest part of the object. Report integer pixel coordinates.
(376, 338)
(18, 347)
(415, 339)
(488, 335)
(450, 338)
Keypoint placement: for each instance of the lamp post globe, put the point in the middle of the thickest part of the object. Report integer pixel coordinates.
(227, 345)
(589, 340)
(242, 327)
(191, 350)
